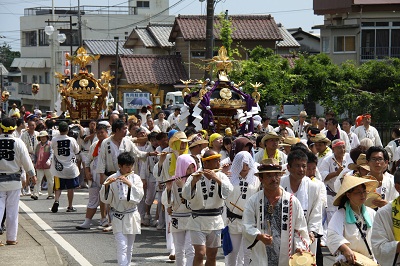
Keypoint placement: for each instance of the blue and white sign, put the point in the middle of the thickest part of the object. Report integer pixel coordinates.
(129, 96)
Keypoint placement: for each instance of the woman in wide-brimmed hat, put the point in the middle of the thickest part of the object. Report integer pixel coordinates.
(349, 230)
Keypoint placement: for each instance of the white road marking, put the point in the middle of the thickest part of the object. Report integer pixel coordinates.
(53, 234)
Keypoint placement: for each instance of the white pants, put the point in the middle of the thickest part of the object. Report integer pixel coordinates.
(40, 173)
(168, 235)
(10, 200)
(150, 193)
(240, 255)
(124, 248)
(184, 251)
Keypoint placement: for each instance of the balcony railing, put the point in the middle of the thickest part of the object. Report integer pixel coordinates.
(371, 53)
(92, 10)
(25, 89)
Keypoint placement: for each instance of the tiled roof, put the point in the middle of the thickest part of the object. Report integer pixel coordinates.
(152, 35)
(161, 34)
(106, 47)
(153, 69)
(145, 36)
(246, 27)
(288, 40)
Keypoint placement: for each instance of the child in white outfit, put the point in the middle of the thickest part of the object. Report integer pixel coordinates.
(123, 191)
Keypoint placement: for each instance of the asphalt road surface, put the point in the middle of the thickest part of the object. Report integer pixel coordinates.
(93, 247)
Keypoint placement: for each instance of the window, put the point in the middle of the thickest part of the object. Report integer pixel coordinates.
(40, 79)
(325, 45)
(143, 4)
(46, 77)
(43, 38)
(198, 54)
(34, 79)
(72, 37)
(29, 38)
(24, 78)
(380, 40)
(344, 44)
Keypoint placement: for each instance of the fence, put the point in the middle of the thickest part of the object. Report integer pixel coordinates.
(385, 131)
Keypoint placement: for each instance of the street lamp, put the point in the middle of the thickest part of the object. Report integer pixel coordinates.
(49, 30)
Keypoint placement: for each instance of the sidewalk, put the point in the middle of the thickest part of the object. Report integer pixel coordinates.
(33, 248)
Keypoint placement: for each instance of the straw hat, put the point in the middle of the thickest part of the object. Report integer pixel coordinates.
(269, 135)
(42, 134)
(195, 140)
(270, 165)
(364, 260)
(320, 137)
(370, 198)
(361, 162)
(350, 182)
(305, 259)
(289, 141)
(180, 135)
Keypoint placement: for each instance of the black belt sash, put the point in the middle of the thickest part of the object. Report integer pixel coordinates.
(207, 212)
(232, 215)
(10, 177)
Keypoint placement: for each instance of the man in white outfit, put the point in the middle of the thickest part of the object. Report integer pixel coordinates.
(13, 156)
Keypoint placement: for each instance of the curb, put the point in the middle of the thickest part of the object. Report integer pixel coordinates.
(50, 250)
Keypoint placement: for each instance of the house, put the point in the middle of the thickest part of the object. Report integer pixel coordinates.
(189, 35)
(288, 45)
(359, 30)
(309, 43)
(43, 55)
(151, 39)
(149, 76)
(107, 49)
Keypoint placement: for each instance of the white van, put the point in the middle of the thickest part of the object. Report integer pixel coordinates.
(176, 97)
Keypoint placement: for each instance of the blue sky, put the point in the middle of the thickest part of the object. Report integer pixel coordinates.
(291, 13)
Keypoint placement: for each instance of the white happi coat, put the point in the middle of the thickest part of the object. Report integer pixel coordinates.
(353, 139)
(240, 198)
(197, 201)
(311, 201)
(30, 142)
(252, 226)
(108, 155)
(384, 245)
(321, 158)
(14, 155)
(371, 133)
(64, 164)
(328, 166)
(387, 190)
(340, 232)
(180, 208)
(260, 154)
(299, 129)
(92, 162)
(130, 222)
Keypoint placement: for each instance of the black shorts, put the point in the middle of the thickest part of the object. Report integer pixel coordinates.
(63, 183)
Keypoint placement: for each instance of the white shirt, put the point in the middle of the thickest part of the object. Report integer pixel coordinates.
(371, 133)
(172, 119)
(64, 160)
(163, 125)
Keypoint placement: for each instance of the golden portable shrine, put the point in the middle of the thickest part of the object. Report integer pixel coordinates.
(217, 105)
(83, 95)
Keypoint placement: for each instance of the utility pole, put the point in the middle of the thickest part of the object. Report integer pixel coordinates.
(79, 24)
(116, 76)
(209, 33)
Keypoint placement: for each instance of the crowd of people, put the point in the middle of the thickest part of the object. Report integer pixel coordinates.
(270, 197)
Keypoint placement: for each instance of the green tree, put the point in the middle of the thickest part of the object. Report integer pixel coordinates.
(7, 56)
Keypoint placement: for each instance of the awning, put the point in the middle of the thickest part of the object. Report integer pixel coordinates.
(31, 62)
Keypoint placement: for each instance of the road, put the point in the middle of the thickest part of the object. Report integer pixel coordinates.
(93, 247)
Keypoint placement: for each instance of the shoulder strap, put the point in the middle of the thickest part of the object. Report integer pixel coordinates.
(363, 237)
